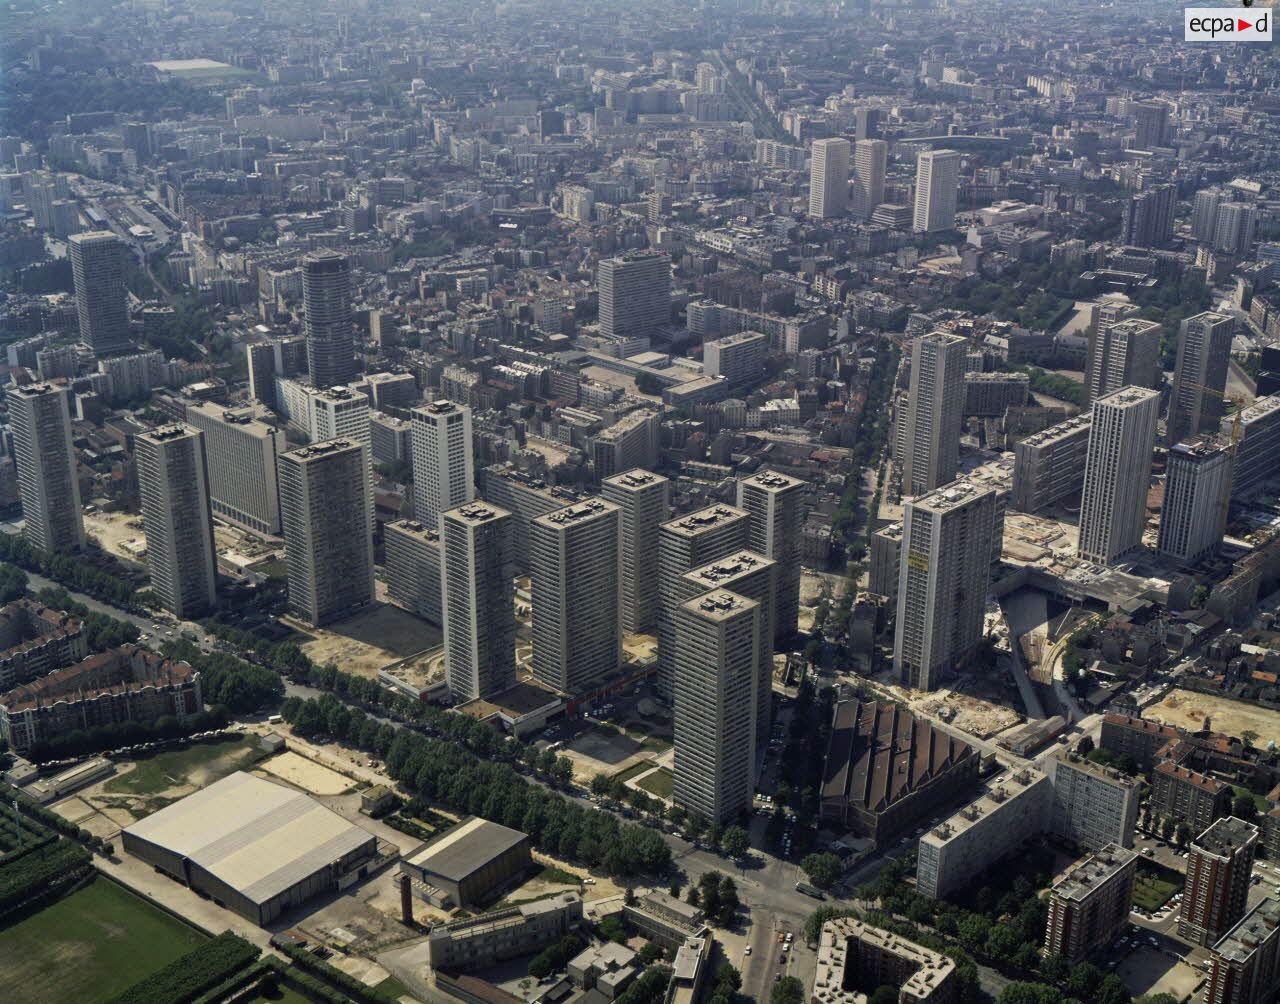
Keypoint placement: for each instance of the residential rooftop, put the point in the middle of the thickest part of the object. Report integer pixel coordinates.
(719, 605)
(772, 481)
(1087, 875)
(634, 479)
(830, 984)
(730, 568)
(949, 497)
(1226, 836)
(1254, 928)
(1000, 790)
(1063, 430)
(576, 514)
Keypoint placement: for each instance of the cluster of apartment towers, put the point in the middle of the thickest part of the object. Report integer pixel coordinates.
(1104, 456)
(716, 586)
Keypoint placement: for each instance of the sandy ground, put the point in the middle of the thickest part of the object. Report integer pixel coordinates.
(119, 533)
(1187, 709)
(603, 751)
(370, 640)
(613, 379)
(305, 774)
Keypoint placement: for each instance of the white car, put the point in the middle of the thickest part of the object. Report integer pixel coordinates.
(747, 951)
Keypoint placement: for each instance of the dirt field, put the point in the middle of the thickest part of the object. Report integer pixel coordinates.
(367, 642)
(119, 533)
(979, 718)
(1187, 709)
(306, 774)
(139, 789)
(602, 750)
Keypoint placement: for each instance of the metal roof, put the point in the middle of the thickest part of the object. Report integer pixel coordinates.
(258, 837)
(466, 848)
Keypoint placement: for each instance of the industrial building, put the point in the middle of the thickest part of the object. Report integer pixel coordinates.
(468, 863)
(885, 769)
(252, 846)
(483, 941)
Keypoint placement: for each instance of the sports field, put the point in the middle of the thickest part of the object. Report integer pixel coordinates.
(89, 946)
(189, 767)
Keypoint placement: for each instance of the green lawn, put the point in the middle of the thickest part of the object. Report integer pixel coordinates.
(281, 995)
(198, 763)
(550, 873)
(1259, 800)
(89, 946)
(633, 770)
(658, 783)
(1153, 886)
(394, 986)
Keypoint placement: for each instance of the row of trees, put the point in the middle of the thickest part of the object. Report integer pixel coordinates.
(733, 841)
(13, 583)
(229, 682)
(446, 772)
(869, 441)
(41, 99)
(82, 742)
(74, 573)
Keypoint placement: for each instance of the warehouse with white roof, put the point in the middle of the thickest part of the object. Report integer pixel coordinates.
(252, 846)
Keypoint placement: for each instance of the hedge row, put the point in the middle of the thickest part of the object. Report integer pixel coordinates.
(306, 984)
(23, 877)
(186, 978)
(33, 810)
(349, 985)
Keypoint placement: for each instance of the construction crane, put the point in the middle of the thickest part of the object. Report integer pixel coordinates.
(1238, 402)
